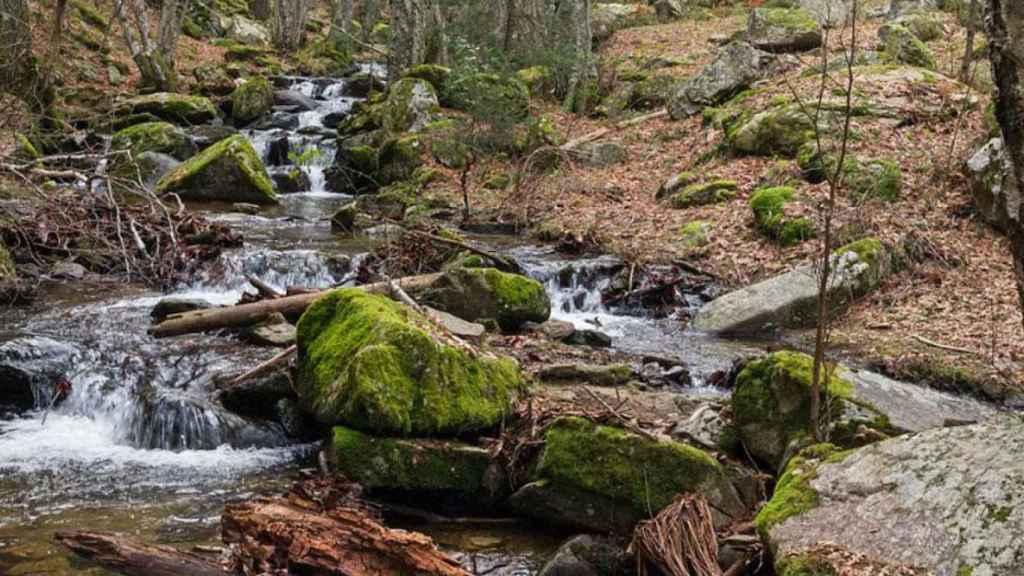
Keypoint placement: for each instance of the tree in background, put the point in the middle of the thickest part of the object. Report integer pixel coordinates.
(21, 74)
(342, 12)
(1005, 22)
(154, 61)
(289, 23)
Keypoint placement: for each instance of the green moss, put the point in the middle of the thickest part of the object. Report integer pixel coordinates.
(779, 131)
(537, 79)
(252, 100)
(706, 193)
(652, 92)
(804, 565)
(488, 94)
(229, 170)
(624, 466)
(397, 160)
(868, 250)
(875, 179)
(26, 150)
(965, 571)
(451, 152)
(373, 364)
(793, 493)
(598, 375)
(476, 294)
(796, 19)
(177, 108)
(903, 46)
(410, 465)
(923, 25)
(498, 181)
(160, 137)
(404, 108)
(695, 233)
(90, 15)
(769, 207)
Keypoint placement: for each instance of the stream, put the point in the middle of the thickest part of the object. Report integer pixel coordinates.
(140, 448)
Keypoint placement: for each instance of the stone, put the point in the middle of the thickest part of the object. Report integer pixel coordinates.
(995, 191)
(176, 108)
(501, 95)
(251, 100)
(675, 184)
(435, 74)
(291, 181)
(704, 427)
(945, 501)
(487, 293)
(174, 305)
(598, 375)
(248, 31)
(898, 8)
(385, 232)
(783, 30)
(206, 136)
(705, 194)
(903, 46)
(558, 330)
(370, 363)
(457, 326)
(228, 171)
(925, 25)
(274, 331)
(777, 217)
(344, 219)
(606, 18)
(423, 466)
(772, 396)
(602, 154)
(294, 98)
(552, 503)
(778, 131)
(246, 208)
(593, 338)
(159, 137)
(68, 270)
(410, 106)
(588, 555)
(789, 300)
(257, 397)
(828, 13)
(29, 367)
(152, 166)
(114, 76)
(735, 68)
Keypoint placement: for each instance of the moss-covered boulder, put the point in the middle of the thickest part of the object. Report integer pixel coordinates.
(651, 93)
(369, 363)
(780, 131)
(417, 466)
(706, 193)
(251, 100)
(695, 234)
(901, 45)
(410, 106)
(397, 160)
(598, 375)
(161, 137)
(774, 216)
(925, 25)
(631, 475)
(228, 171)
(172, 107)
(354, 169)
(875, 180)
(435, 74)
(488, 94)
(675, 183)
(783, 30)
(487, 293)
(537, 79)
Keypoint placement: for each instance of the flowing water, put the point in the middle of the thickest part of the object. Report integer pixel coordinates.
(140, 448)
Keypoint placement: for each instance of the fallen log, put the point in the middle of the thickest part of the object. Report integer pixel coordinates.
(134, 558)
(253, 313)
(283, 534)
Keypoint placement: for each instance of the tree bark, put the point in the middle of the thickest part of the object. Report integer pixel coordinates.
(172, 14)
(157, 72)
(134, 558)
(575, 14)
(280, 535)
(1005, 23)
(409, 20)
(260, 10)
(369, 14)
(289, 25)
(20, 74)
(342, 13)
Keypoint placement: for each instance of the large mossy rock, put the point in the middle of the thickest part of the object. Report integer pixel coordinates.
(372, 364)
(248, 31)
(789, 300)
(176, 108)
(898, 8)
(609, 17)
(774, 216)
(779, 131)
(159, 137)
(410, 106)
(228, 171)
(735, 68)
(783, 30)
(772, 399)
(415, 465)
(489, 95)
(487, 293)
(902, 45)
(614, 477)
(251, 100)
(946, 501)
(995, 190)
(706, 193)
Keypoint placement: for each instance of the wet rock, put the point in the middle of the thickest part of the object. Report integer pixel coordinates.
(246, 208)
(609, 375)
(568, 507)
(160, 137)
(205, 136)
(344, 220)
(176, 108)
(296, 99)
(291, 182)
(278, 121)
(487, 293)
(274, 331)
(771, 406)
(170, 306)
(152, 166)
(68, 271)
(903, 46)
(993, 186)
(296, 423)
(558, 330)
(788, 300)
(678, 375)
(416, 465)
(360, 85)
(588, 555)
(705, 427)
(229, 171)
(278, 151)
(594, 338)
(783, 30)
(736, 67)
(251, 100)
(257, 397)
(332, 119)
(29, 367)
(367, 362)
(946, 501)
(411, 105)
(385, 232)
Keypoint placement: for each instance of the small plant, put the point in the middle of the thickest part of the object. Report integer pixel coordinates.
(309, 156)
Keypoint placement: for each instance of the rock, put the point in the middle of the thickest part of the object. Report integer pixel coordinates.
(385, 232)
(160, 137)
(416, 465)
(903, 46)
(695, 234)
(278, 120)
(611, 475)
(828, 13)
(771, 407)
(367, 362)
(457, 326)
(257, 397)
(228, 171)
(114, 76)
(246, 208)
(945, 501)
(296, 423)
(675, 184)
(602, 154)
(345, 218)
(176, 108)
(735, 68)
(505, 95)
(251, 100)
(587, 555)
(783, 30)
(435, 74)
(152, 166)
(589, 338)
(67, 270)
(776, 217)
(205, 136)
(704, 194)
(291, 181)
(278, 151)
(274, 331)
(669, 9)
(607, 18)
(651, 93)
(213, 80)
(248, 31)
(486, 293)
(789, 300)
(781, 130)
(451, 152)
(411, 105)
(361, 85)
(993, 186)
(29, 367)
(294, 98)
(332, 119)
(173, 305)
(898, 8)
(609, 375)
(925, 25)
(397, 160)
(705, 426)
(558, 330)
(551, 503)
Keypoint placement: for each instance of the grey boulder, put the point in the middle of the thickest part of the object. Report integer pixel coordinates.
(736, 67)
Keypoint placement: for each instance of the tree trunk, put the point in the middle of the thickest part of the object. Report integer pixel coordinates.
(157, 73)
(172, 14)
(20, 76)
(575, 15)
(1006, 44)
(289, 25)
(260, 10)
(134, 558)
(342, 14)
(279, 534)
(409, 23)
(369, 14)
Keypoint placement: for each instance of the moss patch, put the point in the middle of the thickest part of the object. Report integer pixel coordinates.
(177, 108)
(780, 131)
(161, 137)
(903, 46)
(372, 364)
(487, 293)
(769, 207)
(704, 194)
(228, 171)
(695, 234)
(793, 492)
(251, 100)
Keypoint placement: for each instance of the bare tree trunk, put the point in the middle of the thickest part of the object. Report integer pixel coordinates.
(289, 25)
(369, 14)
(409, 29)
(575, 14)
(1006, 45)
(260, 10)
(157, 72)
(135, 558)
(965, 66)
(20, 76)
(341, 23)
(172, 14)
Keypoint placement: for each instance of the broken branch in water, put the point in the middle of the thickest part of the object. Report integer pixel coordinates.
(501, 262)
(263, 368)
(640, 292)
(265, 290)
